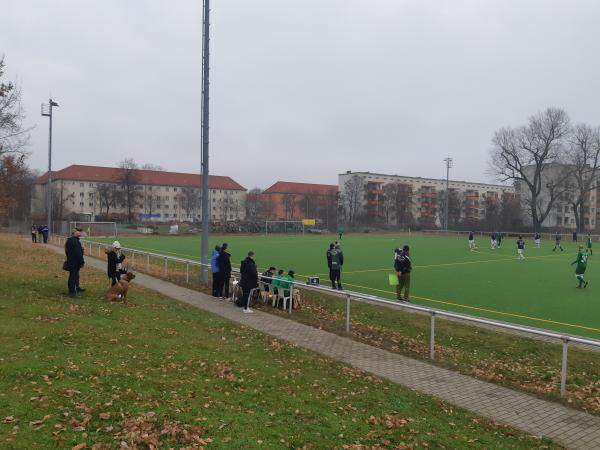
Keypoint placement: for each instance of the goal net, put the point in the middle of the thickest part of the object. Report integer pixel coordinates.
(284, 226)
(96, 229)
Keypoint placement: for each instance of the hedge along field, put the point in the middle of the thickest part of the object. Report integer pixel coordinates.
(156, 373)
(539, 291)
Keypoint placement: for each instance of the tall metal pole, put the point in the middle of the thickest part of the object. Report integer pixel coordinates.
(47, 111)
(448, 165)
(205, 130)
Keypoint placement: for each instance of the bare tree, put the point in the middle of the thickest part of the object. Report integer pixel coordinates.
(254, 204)
(397, 200)
(351, 199)
(525, 156)
(13, 135)
(289, 205)
(59, 199)
(15, 186)
(455, 202)
(154, 167)
(189, 201)
(583, 158)
(108, 196)
(128, 179)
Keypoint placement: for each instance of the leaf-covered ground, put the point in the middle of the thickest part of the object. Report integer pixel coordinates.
(159, 374)
(514, 361)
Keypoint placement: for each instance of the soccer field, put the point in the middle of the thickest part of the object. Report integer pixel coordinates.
(539, 291)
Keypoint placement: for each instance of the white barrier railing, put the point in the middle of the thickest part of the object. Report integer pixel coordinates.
(359, 296)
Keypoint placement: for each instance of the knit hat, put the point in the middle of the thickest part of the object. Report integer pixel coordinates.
(116, 244)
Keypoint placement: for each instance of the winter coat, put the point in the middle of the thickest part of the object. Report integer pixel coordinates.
(113, 260)
(335, 259)
(224, 263)
(249, 274)
(74, 253)
(214, 264)
(402, 263)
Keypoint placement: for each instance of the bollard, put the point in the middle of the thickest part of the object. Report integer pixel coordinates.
(187, 273)
(563, 373)
(432, 337)
(148, 263)
(347, 313)
(166, 268)
(291, 296)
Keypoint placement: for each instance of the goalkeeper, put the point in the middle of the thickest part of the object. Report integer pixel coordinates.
(581, 262)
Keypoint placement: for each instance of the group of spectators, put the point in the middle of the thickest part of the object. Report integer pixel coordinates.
(39, 233)
(220, 265)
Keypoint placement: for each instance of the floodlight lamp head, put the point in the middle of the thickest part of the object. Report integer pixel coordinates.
(46, 109)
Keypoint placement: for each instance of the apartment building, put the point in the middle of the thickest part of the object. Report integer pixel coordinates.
(402, 200)
(157, 195)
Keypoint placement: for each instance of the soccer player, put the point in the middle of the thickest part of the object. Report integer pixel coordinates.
(499, 239)
(520, 247)
(557, 239)
(472, 245)
(403, 267)
(493, 242)
(581, 261)
(589, 244)
(537, 239)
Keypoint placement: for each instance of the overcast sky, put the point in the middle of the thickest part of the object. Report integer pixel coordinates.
(301, 90)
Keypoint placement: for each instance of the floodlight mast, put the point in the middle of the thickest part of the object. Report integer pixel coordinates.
(47, 111)
(449, 164)
(205, 131)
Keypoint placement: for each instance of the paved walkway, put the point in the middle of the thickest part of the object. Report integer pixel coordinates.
(571, 428)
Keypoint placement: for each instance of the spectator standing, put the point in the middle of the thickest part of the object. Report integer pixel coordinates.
(33, 233)
(214, 267)
(224, 262)
(45, 231)
(75, 261)
(114, 259)
(403, 267)
(574, 236)
(249, 280)
(335, 261)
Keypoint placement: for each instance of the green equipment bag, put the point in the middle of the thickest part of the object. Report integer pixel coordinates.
(393, 279)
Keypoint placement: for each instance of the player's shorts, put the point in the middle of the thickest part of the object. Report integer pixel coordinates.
(537, 242)
(471, 242)
(520, 251)
(580, 272)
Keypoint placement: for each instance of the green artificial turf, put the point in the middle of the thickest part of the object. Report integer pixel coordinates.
(539, 291)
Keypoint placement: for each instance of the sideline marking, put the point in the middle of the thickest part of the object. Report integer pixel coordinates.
(476, 308)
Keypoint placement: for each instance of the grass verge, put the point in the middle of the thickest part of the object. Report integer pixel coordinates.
(159, 374)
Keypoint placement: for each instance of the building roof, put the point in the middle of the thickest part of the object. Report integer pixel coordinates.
(500, 186)
(152, 177)
(288, 187)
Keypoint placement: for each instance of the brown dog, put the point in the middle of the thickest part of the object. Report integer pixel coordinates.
(119, 290)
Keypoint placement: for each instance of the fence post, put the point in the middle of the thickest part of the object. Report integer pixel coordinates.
(563, 374)
(187, 273)
(432, 337)
(90, 249)
(166, 269)
(291, 296)
(148, 263)
(98, 250)
(347, 313)
(132, 259)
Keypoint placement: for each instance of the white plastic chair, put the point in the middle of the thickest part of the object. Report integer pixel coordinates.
(281, 296)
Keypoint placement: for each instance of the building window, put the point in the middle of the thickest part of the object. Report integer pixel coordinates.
(167, 189)
(81, 204)
(166, 215)
(91, 184)
(214, 199)
(81, 194)
(174, 189)
(91, 205)
(81, 184)
(214, 208)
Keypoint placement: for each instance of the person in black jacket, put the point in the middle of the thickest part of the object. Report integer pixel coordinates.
(403, 267)
(224, 262)
(114, 259)
(249, 279)
(74, 253)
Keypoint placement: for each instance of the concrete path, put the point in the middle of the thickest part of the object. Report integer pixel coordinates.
(571, 428)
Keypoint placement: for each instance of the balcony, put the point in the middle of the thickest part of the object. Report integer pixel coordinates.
(428, 194)
(375, 191)
(374, 202)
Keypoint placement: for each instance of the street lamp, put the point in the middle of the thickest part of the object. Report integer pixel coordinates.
(449, 164)
(47, 111)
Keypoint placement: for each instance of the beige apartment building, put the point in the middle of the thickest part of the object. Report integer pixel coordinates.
(159, 196)
(386, 197)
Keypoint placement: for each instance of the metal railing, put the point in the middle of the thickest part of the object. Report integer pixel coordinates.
(365, 298)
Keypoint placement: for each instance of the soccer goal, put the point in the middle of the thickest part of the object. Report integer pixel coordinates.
(284, 227)
(96, 229)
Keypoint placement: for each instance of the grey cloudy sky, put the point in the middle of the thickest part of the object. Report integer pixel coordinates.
(301, 89)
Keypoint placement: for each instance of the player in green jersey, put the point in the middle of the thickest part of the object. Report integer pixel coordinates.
(581, 262)
(589, 244)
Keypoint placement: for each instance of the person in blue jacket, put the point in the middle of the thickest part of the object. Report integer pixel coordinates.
(214, 267)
